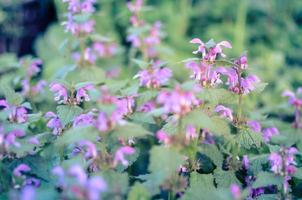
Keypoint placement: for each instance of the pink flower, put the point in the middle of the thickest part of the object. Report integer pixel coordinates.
(293, 99)
(242, 62)
(245, 162)
(120, 155)
(83, 120)
(82, 94)
(54, 123)
(201, 47)
(154, 77)
(177, 101)
(89, 149)
(39, 87)
(102, 123)
(191, 132)
(254, 125)
(20, 169)
(16, 113)
(224, 112)
(268, 133)
(135, 6)
(147, 107)
(236, 191)
(163, 137)
(60, 92)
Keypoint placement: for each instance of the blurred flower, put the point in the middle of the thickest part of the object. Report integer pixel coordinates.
(163, 137)
(84, 120)
(20, 169)
(177, 101)
(242, 62)
(54, 123)
(89, 149)
(154, 76)
(224, 112)
(16, 113)
(82, 94)
(268, 133)
(254, 125)
(60, 92)
(191, 132)
(236, 191)
(28, 193)
(245, 162)
(147, 107)
(120, 155)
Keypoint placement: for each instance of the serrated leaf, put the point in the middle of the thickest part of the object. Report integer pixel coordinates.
(200, 119)
(225, 178)
(87, 74)
(130, 130)
(139, 192)
(77, 134)
(67, 113)
(213, 153)
(249, 139)
(265, 179)
(216, 96)
(117, 184)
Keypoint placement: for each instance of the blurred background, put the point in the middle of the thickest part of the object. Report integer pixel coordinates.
(269, 31)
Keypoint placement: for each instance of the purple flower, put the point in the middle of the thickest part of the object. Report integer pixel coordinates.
(89, 149)
(147, 107)
(177, 101)
(254, 125)
(191, 132)
(242, 62)
(201, 46)
(248, 84)
(154, 77)
(39, 87)
(78, 173)
(33, 181)
(60, 92)
(245, 162)
(293, 99)
(163, 137)
(16, 113)
(236, 191)
(95, 186)
(54, 123)
(28, 193)
(20, 169)
(83, 120)
(89, 56)
(268, 133)
(10, 138)
(204, 73)
(102, 123)
(120, 155)
(224, 112)
(82, 94)
(135, 6)
(34, 140)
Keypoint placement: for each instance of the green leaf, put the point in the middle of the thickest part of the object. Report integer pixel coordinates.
(139, 192)
(213, 153)
(216, 96)
(87, 74)
(265, 179)
(10, 95)
(225, 178)
(200, 119)
(77, 134)
(249, 139)
(117, 184)
(67, 113)
(142, 64)
(130, 130)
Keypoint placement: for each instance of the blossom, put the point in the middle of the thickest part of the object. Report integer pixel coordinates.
(120, 155)
(10, 138)
(16, 113)
(245, 162)
(268, 133)
(236, 191)
(162, 137)
(191, 132)
(242, 62)
(154, 76)
(135, 6)
(28, 193)
(201, 46)
(60, 92)
(103, 49)
(82, 94)
(293, 99)
(89, 149)
(177, 101)
(284, 158)
(254, 125)
(39, 87)
(102, 122)
(224, 112)
(20, 169)
(248, 84)
(204, 73)
(83, 120)
(147, 107)
(54, 123)
(89, 55)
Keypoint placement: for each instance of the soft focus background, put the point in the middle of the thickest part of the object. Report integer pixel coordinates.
(270, 31)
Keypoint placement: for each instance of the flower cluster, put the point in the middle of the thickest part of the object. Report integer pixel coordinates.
(76, 184)
(16, 114)
(296, 101)
(76, 22)
(283, 163)
(154, 76)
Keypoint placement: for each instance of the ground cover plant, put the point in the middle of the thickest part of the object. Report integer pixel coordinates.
(97, 118)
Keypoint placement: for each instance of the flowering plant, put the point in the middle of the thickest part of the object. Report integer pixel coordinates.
(97, 128)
